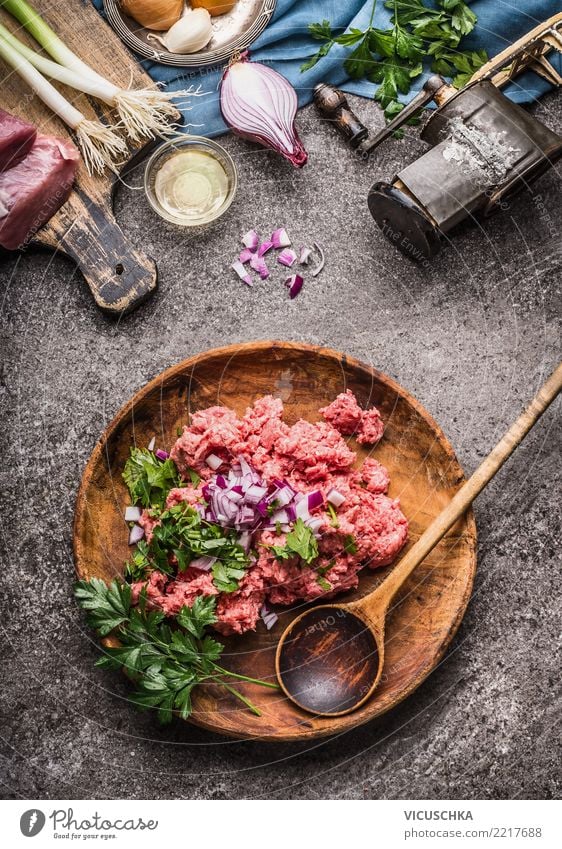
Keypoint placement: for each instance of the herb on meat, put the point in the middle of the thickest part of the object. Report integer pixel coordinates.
(300, 541)
(182, 534)
(333, 515)
(393, 57)
(349, 545)
(164, 662)
(323, 583)
(149, 479)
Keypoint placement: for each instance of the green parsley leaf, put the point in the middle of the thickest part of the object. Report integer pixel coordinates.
(333, 515)
(199, 616)
(323, 583)
(299, 541)
(107, 607)
(359, 61)
(149, 479)
(321, 31)
(349, 545)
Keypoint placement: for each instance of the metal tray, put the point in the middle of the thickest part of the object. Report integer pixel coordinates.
(232, 32)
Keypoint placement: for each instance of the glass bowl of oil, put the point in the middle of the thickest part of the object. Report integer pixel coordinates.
(190, 180)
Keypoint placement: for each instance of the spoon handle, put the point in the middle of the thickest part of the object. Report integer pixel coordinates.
(379, 600)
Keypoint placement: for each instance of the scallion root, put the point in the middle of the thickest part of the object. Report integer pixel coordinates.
(149, 112)
(100, 146)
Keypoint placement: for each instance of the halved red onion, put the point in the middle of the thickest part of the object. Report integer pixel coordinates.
(132, 513)
(204, 563)
(265, 247)
(258, 263)
(213, 461)
(259, 104)
(269, 617)
(136, 534)
(294, 284)
(287, 257)
(251, 240)
(280, 238)
(152, 443)
(162, 455)
(242, 273)
(335, 498)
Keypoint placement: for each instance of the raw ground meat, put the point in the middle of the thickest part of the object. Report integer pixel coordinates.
(309, 456)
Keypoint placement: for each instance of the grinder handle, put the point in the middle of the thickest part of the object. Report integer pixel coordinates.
(332, 105)
(434, 87)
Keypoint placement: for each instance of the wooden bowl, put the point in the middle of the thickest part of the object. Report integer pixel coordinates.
(424, 474)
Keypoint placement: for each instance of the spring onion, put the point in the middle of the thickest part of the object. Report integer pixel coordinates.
(144, 113)
(100, 145)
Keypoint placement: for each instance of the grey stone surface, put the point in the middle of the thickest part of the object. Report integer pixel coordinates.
(472, 335)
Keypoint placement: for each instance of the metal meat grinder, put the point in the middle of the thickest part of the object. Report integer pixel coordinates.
(484, 148)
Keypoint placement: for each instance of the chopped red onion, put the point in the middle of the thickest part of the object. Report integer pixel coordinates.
(258, 264)
(246, 255)
(242, 273)
(269, 618)
(335, 498)
(284, 496)
(304, 255)
(320, 266)
(136, 534)
(251, 240)
(279, 516)
(287, 257)
(265, 247)
(221, 481)
(213, 461)
(245, 540)
(132, 514)
(294, 284)
(315, 499)
(280, 238)
(259, 104)
(204, 563)
(152, 443)
(162, 455)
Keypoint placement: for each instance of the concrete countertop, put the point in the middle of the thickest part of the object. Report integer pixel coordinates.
(472, 335)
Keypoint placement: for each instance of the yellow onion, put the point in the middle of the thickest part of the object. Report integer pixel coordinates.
(154, 14)
(214, 7)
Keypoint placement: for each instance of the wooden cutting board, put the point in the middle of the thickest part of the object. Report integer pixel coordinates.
(119, 275)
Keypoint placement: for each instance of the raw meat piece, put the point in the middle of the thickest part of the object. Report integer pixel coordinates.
(31, 192)
(16, 139)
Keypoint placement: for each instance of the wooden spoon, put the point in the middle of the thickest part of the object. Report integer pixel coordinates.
(330, 659)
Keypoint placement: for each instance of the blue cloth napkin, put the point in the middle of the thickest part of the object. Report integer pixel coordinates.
(285, 44)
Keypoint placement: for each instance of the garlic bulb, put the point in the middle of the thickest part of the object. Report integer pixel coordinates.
(192, 32)
(154, 14)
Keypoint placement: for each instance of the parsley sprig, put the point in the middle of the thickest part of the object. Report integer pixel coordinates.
(149, 479)
(165, 661)
(392, 58)
(183, 535)
(299, 541)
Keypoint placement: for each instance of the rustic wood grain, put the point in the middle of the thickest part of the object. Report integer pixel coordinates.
(424, 475)
(119, 275)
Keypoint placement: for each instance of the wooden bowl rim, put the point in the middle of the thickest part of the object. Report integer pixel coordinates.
(351, 720)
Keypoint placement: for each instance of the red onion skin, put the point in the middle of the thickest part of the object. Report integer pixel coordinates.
(297, 156)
